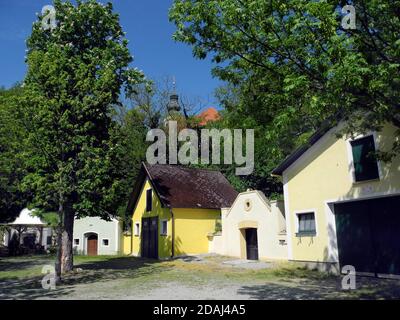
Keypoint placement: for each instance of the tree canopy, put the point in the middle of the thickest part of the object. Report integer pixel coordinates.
(290, 65)
(12, 169)
(77, 72)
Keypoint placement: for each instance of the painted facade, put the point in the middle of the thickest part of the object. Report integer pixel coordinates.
(252, 209)
(191, 225)
(107, 236)
(321, 179)
(174, 208)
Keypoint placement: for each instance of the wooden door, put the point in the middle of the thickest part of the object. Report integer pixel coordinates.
(251, 244)
(149, 238)
(92, 245)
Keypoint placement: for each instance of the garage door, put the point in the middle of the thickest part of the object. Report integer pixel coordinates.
(368, 235)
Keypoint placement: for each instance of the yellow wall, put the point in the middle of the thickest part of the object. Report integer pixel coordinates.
(164, 242)
(191, 229)
(191, 226)
(126, 241)
(322, 176)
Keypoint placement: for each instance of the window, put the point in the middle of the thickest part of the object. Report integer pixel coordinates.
(365, 164)
(306, 224)
(105, 242)
(164, 226)
(137, 229)
(76, 242)
(48, 240)
(149, 197)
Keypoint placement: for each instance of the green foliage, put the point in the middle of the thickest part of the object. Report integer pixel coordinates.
(289, 65)
(76, 155)
(12, 170)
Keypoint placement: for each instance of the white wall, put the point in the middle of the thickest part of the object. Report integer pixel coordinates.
(110, 230)
(269, 218)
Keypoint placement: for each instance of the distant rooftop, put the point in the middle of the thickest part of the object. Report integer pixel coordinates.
(209, 115)
(26, 218)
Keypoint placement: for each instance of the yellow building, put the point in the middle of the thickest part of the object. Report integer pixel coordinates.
(174, 208)
(342, 205)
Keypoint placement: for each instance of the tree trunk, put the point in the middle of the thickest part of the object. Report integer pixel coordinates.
(59, 254)
(67, 261)
(59, 242)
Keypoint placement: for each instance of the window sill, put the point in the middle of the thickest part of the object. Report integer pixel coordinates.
(365, 181)
(306, 234)
(163, 235)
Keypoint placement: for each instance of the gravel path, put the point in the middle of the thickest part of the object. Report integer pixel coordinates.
(202, 277)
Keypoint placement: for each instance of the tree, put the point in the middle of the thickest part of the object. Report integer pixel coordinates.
(152, 98)
(133, 145)
(12, 170)
(294, 65)
(76, 73)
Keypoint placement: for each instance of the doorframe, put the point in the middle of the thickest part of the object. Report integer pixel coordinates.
(243, 242)
(157, 234)
(85, 241)
(242, 226)
(258, 251)
(333, 251)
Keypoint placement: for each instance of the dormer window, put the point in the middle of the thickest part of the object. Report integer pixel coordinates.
(364, 161)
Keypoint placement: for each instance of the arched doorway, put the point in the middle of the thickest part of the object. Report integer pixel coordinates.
(91, 244)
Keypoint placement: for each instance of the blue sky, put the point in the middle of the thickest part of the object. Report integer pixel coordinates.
(150, 40)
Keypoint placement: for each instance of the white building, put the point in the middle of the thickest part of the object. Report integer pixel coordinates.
(29, 230)
(253, 228)
(95, 236)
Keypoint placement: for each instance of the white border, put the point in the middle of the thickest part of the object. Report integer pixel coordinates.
(287, 217)
(85, 241)
(296, 213)
(105, 245)
(166, 231)
(136, 223)
(351, 160)
(151, 200)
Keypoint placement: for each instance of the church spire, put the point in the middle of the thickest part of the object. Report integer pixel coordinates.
(173, 104)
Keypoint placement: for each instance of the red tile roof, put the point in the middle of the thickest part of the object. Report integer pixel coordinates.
(210, 114)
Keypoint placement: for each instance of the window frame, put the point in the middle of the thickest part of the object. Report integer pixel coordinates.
(149, 203)
(136, 224)
(163, 232)
(351, 158)
(310, 233)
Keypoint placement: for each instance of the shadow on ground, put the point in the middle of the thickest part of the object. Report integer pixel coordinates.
(25, 262)
(85, 273)
(317, 289)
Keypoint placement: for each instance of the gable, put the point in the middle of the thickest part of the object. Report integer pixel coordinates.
(326, 170)
(247, 203)
(182, 187)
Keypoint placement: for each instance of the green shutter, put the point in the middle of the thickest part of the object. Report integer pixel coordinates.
(365, 165)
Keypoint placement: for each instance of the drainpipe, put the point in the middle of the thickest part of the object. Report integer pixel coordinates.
(173, 233)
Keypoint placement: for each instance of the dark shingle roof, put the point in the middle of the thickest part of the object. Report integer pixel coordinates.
(182, 187)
